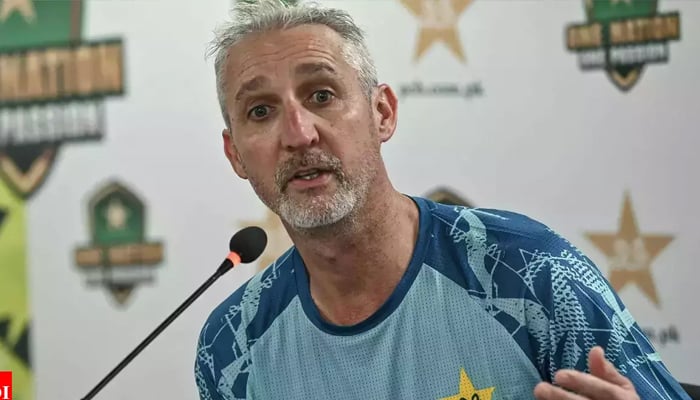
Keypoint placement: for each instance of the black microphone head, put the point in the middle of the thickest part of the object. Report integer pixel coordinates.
(248, 243)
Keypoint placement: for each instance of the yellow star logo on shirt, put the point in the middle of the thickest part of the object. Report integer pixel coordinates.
(630, 253)
(438, 19)
(468, 391)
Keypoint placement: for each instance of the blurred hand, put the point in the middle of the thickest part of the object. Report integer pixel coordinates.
(603, 383)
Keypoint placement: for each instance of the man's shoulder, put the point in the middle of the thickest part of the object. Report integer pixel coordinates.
(493, 224)
(505, 246)
(254, 305)
(237, 323)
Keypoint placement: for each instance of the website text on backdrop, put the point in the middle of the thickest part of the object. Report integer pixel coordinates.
(386, 295)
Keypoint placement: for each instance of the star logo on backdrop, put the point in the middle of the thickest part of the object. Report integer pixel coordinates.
(24, 7)
(438, 21)
(116, 215)
(630, 252)
(278, 240)
(468, 391)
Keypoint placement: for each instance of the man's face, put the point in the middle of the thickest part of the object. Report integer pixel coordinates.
(302, 129)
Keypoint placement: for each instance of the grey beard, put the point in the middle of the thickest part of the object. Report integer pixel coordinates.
(319, 212)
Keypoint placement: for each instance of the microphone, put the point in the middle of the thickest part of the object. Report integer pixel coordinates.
(246, 246)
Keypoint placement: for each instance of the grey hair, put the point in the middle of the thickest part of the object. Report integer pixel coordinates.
(255, 16)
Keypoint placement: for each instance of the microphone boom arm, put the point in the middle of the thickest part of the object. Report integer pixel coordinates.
(223, 268)
(245, 246)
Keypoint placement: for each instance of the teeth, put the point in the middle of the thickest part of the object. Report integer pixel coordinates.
(309, 177)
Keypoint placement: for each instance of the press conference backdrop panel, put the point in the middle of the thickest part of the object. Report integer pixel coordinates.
(116, 200)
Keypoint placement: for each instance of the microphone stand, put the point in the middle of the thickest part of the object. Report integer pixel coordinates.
(223, 268)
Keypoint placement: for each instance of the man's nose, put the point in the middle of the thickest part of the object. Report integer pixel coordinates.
(299, 130)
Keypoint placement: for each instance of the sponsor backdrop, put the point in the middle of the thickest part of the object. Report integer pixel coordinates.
(116, 200)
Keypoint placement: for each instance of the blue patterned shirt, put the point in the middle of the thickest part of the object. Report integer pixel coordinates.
(492, 303)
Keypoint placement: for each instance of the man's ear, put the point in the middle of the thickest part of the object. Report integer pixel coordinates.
(386, 111)
(232, 154)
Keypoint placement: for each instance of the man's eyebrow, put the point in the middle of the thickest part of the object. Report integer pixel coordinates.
(250, 86)
(313, 68)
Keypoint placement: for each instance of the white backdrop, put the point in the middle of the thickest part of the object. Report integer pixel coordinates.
(544, 139)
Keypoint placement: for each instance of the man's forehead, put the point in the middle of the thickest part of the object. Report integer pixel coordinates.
(258, 60)
(284, 47)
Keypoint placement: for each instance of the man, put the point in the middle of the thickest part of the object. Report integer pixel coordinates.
(384, 295)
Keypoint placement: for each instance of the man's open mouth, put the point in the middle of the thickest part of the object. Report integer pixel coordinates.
(309, 174)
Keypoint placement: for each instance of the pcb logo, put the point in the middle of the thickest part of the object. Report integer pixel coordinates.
(119, 256)
(621, 37)
(438, 23)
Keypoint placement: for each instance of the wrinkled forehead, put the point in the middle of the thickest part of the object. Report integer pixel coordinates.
(266, 58)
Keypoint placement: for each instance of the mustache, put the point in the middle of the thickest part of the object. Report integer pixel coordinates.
(318, 160)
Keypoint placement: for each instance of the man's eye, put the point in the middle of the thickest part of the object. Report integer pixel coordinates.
(259, 112)
(322, 96)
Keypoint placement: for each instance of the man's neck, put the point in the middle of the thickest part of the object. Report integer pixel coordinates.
(354, 271)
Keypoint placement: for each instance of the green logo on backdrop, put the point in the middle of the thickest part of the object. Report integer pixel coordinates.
(52, 84)
(621, 37)
(52, 87)
(119, 257)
